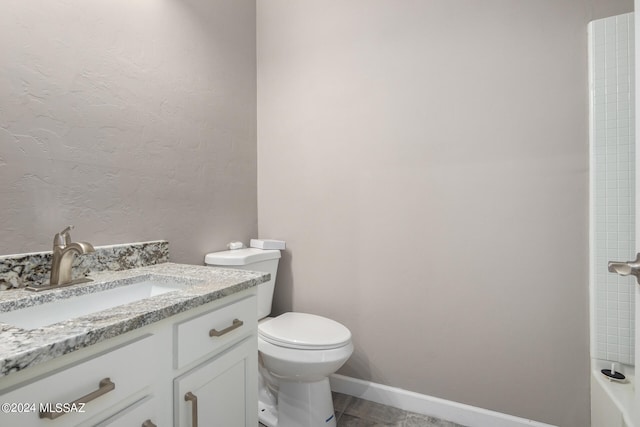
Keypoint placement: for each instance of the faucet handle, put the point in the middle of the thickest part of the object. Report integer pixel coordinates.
(63, 238)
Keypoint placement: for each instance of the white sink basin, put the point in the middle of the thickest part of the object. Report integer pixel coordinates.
(59, 310)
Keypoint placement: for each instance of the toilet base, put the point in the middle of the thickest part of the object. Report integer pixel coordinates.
(267, 414)
(300, 404)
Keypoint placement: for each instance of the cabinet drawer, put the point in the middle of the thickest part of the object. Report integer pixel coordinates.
(142, 413)
(103, 381)
(210, 332)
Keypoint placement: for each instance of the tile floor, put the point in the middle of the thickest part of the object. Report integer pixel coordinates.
(354, 412)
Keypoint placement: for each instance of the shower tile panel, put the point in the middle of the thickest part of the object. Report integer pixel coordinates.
(613, 183)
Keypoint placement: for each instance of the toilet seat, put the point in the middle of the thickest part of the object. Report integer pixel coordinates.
(304, 331)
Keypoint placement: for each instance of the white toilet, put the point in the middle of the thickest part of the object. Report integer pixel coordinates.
(298, 351)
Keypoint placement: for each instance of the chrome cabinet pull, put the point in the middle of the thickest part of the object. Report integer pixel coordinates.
(626, 268)
(190, 397)
(104, 387)
(148, 423)
(235, 325)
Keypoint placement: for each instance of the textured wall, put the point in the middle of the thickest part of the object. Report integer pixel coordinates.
(133, 120)
(427, 164)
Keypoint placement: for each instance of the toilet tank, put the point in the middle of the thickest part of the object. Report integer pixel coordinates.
(262, 260)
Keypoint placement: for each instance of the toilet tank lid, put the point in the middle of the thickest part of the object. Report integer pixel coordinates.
(241, 256)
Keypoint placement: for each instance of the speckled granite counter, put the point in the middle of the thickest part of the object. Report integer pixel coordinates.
(21, 348)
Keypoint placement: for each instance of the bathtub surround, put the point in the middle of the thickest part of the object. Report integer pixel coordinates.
(17, 271)
(131, 120)
(613, 216)
(613, 195)
(444, 145)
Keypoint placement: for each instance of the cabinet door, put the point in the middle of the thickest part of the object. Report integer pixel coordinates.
(222, 392)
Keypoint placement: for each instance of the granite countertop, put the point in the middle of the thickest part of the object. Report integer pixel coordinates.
(22, 348)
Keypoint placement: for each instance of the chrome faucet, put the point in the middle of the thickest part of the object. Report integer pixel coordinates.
(63, 255)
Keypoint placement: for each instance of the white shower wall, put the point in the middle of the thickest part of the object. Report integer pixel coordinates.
(611, 64)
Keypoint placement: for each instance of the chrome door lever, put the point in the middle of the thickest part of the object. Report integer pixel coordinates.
(626, 268)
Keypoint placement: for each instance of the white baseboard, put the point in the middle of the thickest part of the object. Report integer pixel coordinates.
(427, 405)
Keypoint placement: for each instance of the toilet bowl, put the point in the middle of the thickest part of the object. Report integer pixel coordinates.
(297, 351)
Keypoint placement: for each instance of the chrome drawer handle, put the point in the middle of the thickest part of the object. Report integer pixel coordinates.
(104, 387)
(190, 397)
(148, 423)
(235, 325)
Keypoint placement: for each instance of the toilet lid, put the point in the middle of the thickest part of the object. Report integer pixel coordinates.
(304, 331)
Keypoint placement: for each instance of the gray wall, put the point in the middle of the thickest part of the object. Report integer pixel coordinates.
(427, 164)
(133, 120)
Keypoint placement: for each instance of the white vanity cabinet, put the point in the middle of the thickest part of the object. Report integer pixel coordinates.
(141, 377)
